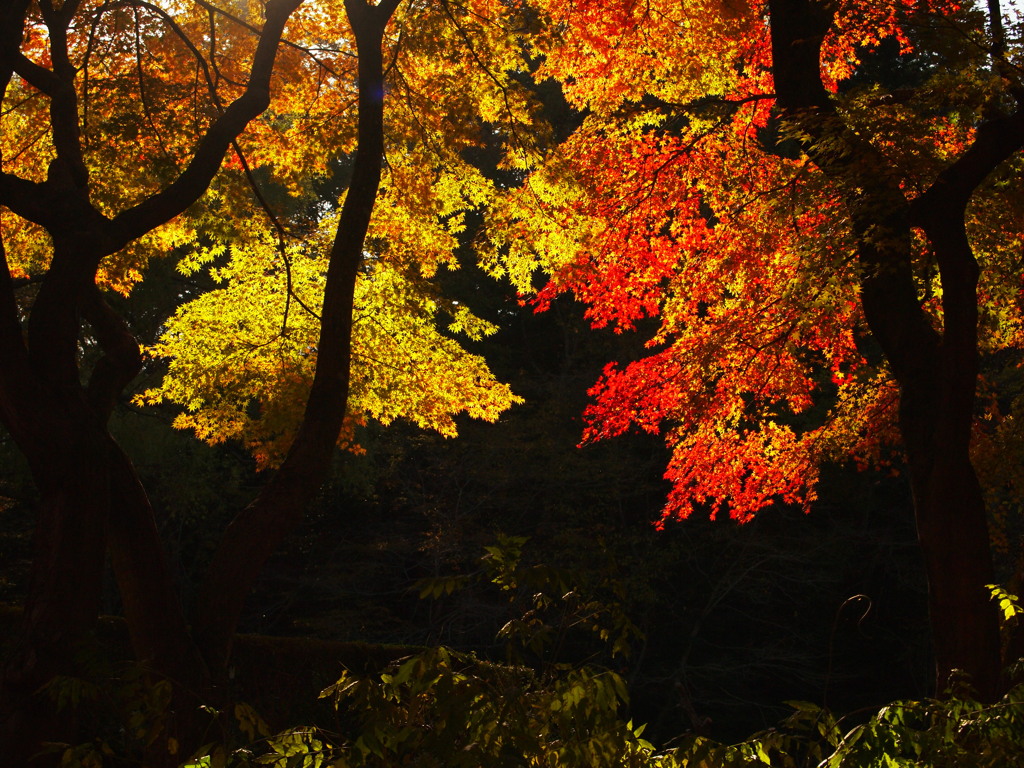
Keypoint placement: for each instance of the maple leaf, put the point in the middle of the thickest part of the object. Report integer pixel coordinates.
(675, 200)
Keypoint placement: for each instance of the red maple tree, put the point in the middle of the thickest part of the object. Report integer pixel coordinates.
(805, 195)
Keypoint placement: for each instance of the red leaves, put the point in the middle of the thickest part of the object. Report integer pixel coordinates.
(684, 197)
(740, 471)
(645, 394)
(738, 254)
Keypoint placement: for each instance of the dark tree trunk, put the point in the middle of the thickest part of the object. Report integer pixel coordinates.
(81, 521)
(90, 497)
(936, 371)
(64, 593)
(260, 528)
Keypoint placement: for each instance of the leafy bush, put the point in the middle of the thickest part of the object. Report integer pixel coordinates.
(442, 708)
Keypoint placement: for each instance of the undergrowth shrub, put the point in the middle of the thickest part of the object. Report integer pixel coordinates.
(442, 708)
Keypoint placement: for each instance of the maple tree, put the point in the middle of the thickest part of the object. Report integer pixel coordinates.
(117, 118)
(820, 203)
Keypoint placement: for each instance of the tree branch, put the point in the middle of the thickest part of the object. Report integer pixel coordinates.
(28, 199)
(875, 200)
(941, 212)
(13, 353)
(192, 183)
(995, 141)
(246, 25)
(68, 170)
(36, 75)
(121, 359)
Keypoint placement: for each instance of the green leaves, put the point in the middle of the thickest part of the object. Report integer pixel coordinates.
(446, 708)
(957, 731)
(1009, 605)
(449, 708)
(297, 748)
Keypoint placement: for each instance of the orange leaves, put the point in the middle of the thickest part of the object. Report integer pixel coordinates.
(728, 393)
(150, 86)
(149, 79)
(684, 197)
(681, 198)
(607, 53)
(730, 255)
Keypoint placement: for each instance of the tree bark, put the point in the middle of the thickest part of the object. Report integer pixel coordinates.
(90, 497)
(936, 371)
(64, 591)
(258, 530)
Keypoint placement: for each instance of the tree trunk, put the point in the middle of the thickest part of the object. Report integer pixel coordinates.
(90, 495)
(260, 528)
(952, 529)
(64, 592)
(936, 371)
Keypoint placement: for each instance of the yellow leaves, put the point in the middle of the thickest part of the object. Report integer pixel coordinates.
(241, 358)
(543, 225)
(27, 144)
(466, 323)
(196, 258)
(27, 246)
(405, 368)
(122, 270)
(419, 214)
(1009, 604)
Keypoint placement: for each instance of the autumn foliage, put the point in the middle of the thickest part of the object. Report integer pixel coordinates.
(311, 157)
(812, 209)
(684, 197)
(814, 205)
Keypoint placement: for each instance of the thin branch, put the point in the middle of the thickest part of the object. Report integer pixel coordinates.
(281, 235)
(209, 154)
(995, 25)
(487, 71)
(36, 75)
(1002, 64)
(147, 109)
(186, 40)
(995, 141)
(213, 52)
(255, 30)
